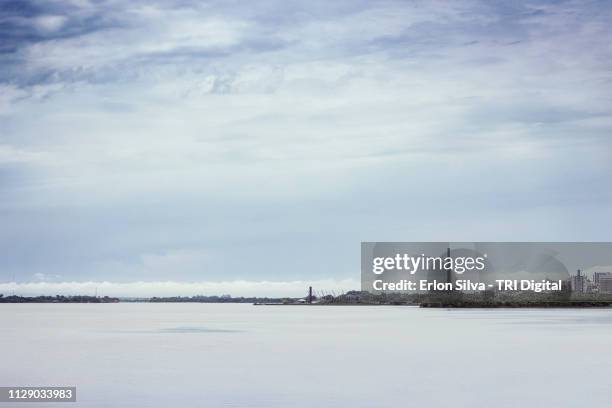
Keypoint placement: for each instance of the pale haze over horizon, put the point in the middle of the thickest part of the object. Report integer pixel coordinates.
(193, 147)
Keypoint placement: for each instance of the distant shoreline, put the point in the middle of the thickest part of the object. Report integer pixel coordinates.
(448, 301)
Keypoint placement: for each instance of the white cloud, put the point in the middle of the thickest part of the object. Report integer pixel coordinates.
(170, 288)
(49, 23)
(149, 35)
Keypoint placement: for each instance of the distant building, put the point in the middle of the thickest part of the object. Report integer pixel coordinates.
(598, 275)
(605, 284)
(591, 287)
(566, 286)
(578, 282)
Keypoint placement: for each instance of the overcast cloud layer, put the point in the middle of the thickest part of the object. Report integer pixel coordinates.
(193, 141)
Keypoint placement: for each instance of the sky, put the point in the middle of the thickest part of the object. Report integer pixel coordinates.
(188, 147)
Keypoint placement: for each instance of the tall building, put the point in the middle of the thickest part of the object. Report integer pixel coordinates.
(578, 282)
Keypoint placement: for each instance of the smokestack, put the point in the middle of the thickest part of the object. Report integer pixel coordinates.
(310, 294)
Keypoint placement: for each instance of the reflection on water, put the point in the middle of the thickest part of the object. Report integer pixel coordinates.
(229, 355)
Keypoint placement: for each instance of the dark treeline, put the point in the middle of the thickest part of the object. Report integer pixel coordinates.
(218, 299)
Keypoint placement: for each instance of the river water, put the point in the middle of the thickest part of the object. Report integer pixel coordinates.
(239, 355)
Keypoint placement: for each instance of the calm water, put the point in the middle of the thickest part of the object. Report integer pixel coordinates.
(211, 355)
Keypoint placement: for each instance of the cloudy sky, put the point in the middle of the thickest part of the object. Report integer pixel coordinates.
(188, 141)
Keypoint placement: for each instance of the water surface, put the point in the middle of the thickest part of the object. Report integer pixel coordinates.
(238, 355)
